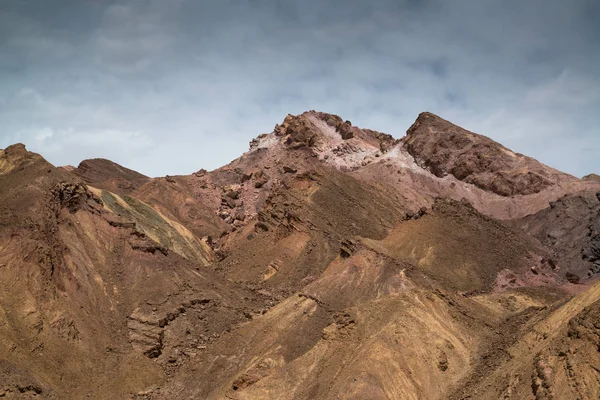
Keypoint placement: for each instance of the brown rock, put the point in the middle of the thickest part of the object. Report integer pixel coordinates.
(246, 177)
(573, 278)
(233, 194)
(299, 132)
(261, 226)
(444, 148)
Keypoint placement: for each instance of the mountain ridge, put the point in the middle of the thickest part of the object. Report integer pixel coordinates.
(328, 261)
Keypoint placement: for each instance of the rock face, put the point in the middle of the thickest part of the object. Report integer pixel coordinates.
(329, 261)
(297, 132)
(444, 148)
(571, 228)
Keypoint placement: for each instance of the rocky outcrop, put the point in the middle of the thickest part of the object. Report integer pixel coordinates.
(298, 132)
(592, 177)
(72, 196)
(590, 253)
(345, 128)
(347, 248)
(16, 157)
(444, 148)
(303, 130)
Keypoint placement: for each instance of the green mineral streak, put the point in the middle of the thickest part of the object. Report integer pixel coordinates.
(154, 226)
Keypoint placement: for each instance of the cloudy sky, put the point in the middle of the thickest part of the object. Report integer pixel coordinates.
(172, 86)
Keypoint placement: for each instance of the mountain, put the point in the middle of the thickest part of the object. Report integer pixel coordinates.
(328, 261)
(444, 148)
(105, 174)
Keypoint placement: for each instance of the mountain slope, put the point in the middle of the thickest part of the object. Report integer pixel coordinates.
(329, 261)
(557, 357)
(356, 317)
(90, 304)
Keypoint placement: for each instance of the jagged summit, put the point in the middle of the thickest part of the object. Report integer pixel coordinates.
(327, 137)
(435, 158)
(308, 130)
(435, 144)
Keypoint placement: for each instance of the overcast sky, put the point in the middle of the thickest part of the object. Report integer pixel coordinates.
(172, 86)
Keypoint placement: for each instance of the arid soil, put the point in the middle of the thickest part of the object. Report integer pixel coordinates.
(327, 262)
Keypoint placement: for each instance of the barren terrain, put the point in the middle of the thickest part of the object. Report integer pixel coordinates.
(327, 262)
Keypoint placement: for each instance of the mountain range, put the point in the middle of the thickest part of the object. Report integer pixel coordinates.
(327, 262)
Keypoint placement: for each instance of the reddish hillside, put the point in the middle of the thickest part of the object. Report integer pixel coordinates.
(329, 261)
(105, 174)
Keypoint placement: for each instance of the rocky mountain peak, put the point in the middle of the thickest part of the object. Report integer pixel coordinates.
(328, 137)
(17, 148)
(447, 149)
(16, 156)
(106, 174)
(312, 129)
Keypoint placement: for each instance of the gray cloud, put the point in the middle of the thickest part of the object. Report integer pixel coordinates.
(170, 87)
